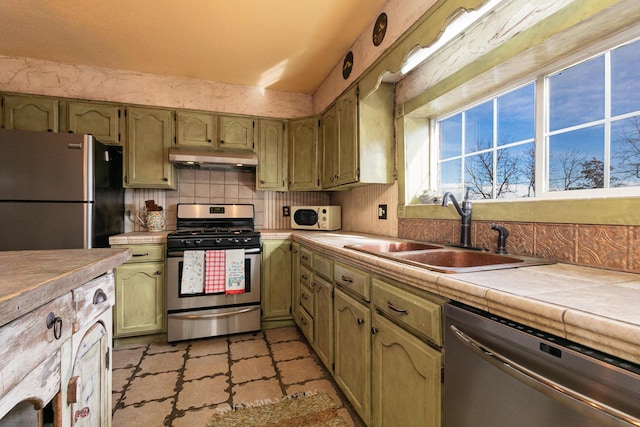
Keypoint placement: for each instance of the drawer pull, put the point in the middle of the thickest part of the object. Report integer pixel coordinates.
(396, 309)
(347, 279)
(55, 322)
(137, 255)
(99, 297)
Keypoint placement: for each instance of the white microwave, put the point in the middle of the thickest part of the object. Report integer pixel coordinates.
(325, 218)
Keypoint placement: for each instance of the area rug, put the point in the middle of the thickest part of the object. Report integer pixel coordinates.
(300, 409)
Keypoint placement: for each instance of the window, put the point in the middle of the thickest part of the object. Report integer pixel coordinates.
(590, 132)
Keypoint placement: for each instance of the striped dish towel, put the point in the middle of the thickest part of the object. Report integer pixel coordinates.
(215, 272)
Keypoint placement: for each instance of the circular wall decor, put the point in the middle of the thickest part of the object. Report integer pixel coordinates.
(380, 29)
(347, 65)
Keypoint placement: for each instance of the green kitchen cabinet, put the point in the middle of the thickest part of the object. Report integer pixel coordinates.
(295, 277)
(347, 115)
(303, 155)
(30, 113)
(323, 320)
(276, 280)
(329, 126)
(407, 388)
(140, 292)
(195, 129)
(100, 120)
(352, 331)
(237, 133)
(149, 138)
(358, 139)
(271, 173)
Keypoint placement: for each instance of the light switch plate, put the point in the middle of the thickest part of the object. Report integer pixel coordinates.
(382, 211)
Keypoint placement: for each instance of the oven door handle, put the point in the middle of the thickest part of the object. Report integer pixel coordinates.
(212, 315)
(548, 387)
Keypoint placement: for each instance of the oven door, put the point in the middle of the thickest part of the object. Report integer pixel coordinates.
(181, 302)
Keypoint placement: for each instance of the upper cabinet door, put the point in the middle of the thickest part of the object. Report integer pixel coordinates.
(99, 120)
(30, 113)
(195, 129)
(149, 137)
(237, 133)
(303, 155)
(272, 156)
(329, 148)
(347, 112)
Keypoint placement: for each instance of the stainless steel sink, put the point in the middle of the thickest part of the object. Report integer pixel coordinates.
(445, 260)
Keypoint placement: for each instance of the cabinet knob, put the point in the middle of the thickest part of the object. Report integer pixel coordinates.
(262, 181)
(158, 273)
(165, 179)
(222, 141)
(374, 331)
(360, 321)
(209, 141)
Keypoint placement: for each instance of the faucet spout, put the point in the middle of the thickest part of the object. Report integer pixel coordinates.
(465, 216)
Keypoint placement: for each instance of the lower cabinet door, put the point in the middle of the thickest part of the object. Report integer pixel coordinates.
(89, 390)
(407, 383)
(140, 296)
(353, 352)
(323, 320)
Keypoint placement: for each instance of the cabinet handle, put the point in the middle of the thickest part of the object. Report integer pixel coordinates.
(222, 141)
(99, 297)
(374, 331)
(304, 277)
(313, 285)
(262, 181)
(304, 322)
(55, 322)
(165, 179)
(158, 273)
(304, 297)
(360, 321)
(347, 279)
(209, 141)
(396, 309)
(145, 254)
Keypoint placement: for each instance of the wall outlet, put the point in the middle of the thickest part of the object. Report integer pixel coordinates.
(382, 211)
(286, 211)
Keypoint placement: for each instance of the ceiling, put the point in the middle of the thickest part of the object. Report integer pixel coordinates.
(286, 45)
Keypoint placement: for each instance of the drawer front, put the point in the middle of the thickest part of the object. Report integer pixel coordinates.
(29, 337)
(306, 299)
(305, 322)
(323, 266)
(144, 253)
(353, 279)
(305, 277)
(92, 299)
(306, 257)
(420, 314)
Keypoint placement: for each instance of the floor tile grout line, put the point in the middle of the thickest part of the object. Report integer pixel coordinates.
(168, 421)
(120, 403)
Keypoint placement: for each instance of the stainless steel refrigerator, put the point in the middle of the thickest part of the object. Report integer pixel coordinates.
(58, 191)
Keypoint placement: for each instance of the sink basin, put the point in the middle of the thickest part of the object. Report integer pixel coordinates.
(459, 261)
(392, 247)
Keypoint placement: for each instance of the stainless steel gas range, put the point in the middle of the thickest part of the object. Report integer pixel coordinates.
(200, 300)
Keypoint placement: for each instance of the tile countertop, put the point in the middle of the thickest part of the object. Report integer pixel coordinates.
(139, 237)
(30, 279)
(594, 307)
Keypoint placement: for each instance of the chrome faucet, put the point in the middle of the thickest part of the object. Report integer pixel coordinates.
(465, 216)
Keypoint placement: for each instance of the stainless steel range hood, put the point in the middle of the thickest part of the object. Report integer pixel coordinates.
(245, 161)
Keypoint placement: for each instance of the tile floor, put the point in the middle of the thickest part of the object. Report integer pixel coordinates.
(183, 384)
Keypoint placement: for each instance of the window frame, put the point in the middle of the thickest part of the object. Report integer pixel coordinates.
(541, 134)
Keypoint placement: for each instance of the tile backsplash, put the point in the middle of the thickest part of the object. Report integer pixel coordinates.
(217, 186)
(614, 247)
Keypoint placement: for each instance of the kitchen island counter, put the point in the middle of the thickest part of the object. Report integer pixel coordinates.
(30, 279)
(591, 306)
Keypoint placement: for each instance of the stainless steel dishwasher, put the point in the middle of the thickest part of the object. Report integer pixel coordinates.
(499, 373)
